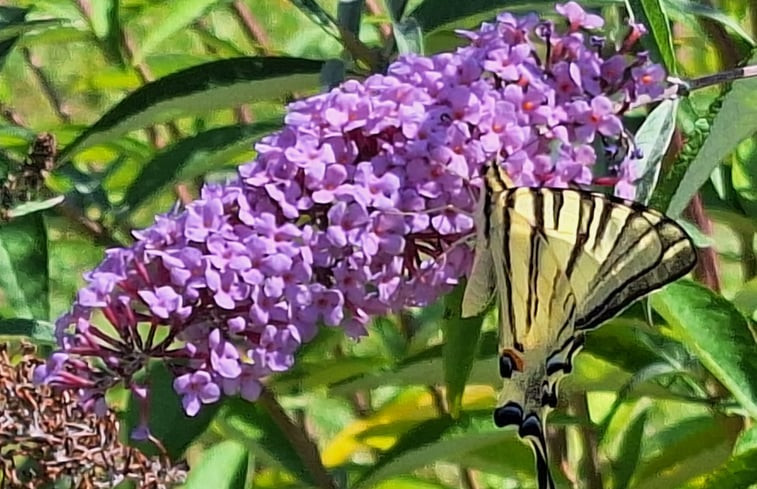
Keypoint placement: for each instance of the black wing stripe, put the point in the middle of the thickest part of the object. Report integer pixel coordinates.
(636, 286)
(604, 220)
(536, 242)
(582, 232)
(508, 264)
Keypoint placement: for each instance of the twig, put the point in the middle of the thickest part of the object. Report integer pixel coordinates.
(467, 478)
(47, 86)
(243, 114)
(146, 76)
(11, 115)
(680, 88)
(748, 258)
(100, 234)
(467, 475)
(375, 9)
(706, 270)
(252, 27)
(183, 193)
(306, 450)
(589, 466)
(557, 439)
(438, 397)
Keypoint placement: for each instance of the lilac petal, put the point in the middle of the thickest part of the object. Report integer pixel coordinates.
(182, 383)
(251, 389)
(209, 393)
(191, 404)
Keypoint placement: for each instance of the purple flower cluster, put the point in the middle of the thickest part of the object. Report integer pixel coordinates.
(353, 210)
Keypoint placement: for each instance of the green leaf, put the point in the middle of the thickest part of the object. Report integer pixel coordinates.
(222, 466)
(173, 18)
(652, 14)
(736, 120)
(740, 472)
(700, 239)
(318, 16)
(250, 424)
(691, 447)
(410, 482)
(653, 138)
(202, 88)
(34, 206)
(396, 9)
(647, 374)
(38, 331)
(629, 452)
(23, 266)
(473, 441)
(615, 340)
(310, 375)
(409, 36)
(717, 333)
(747, 441)
(202, 152)
(435, 15)
(9, 17)
(15, 30)
(106, 26)
(461, 338)
(744, 176)
(167, 419)
(704, 10)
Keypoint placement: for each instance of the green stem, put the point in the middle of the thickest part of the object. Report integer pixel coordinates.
(306, 449)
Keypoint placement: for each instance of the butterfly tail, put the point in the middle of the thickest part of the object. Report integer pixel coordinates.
(543, 474)
(532, 430)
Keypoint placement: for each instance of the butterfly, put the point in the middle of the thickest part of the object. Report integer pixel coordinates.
(560, 262)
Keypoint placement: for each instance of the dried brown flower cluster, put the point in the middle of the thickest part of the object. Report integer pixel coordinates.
(46, 439)
(26, 181)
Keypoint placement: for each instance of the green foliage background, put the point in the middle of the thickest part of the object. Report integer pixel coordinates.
(147, 103)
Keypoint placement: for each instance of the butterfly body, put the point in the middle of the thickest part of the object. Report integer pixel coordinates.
(560, 262)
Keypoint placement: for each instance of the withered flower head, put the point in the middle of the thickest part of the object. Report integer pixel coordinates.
(47, 440)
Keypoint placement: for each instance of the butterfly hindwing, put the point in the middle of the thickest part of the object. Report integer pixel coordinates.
(617, 251)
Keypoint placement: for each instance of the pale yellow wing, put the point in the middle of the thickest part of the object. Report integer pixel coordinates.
(612, 250)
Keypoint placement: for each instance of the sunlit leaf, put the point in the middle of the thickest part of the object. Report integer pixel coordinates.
(37, 331)
(630, 452)
(173, 18)
(736, 120)
(460, 347)
(739, 472)
(652, 14)
(704, 10)
(167, 420)
(433, 15)
(209, 149)
(653, 138)
(14, 30)
(23, 267)
(717, 333)
(319, 16)
(215, 85)
(34, 206)
(10, 17)
(250, 424)
(222, 466)
(688, 448)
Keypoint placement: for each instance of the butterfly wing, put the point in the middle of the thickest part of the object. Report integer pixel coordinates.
(560, 261)
(614, 251)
